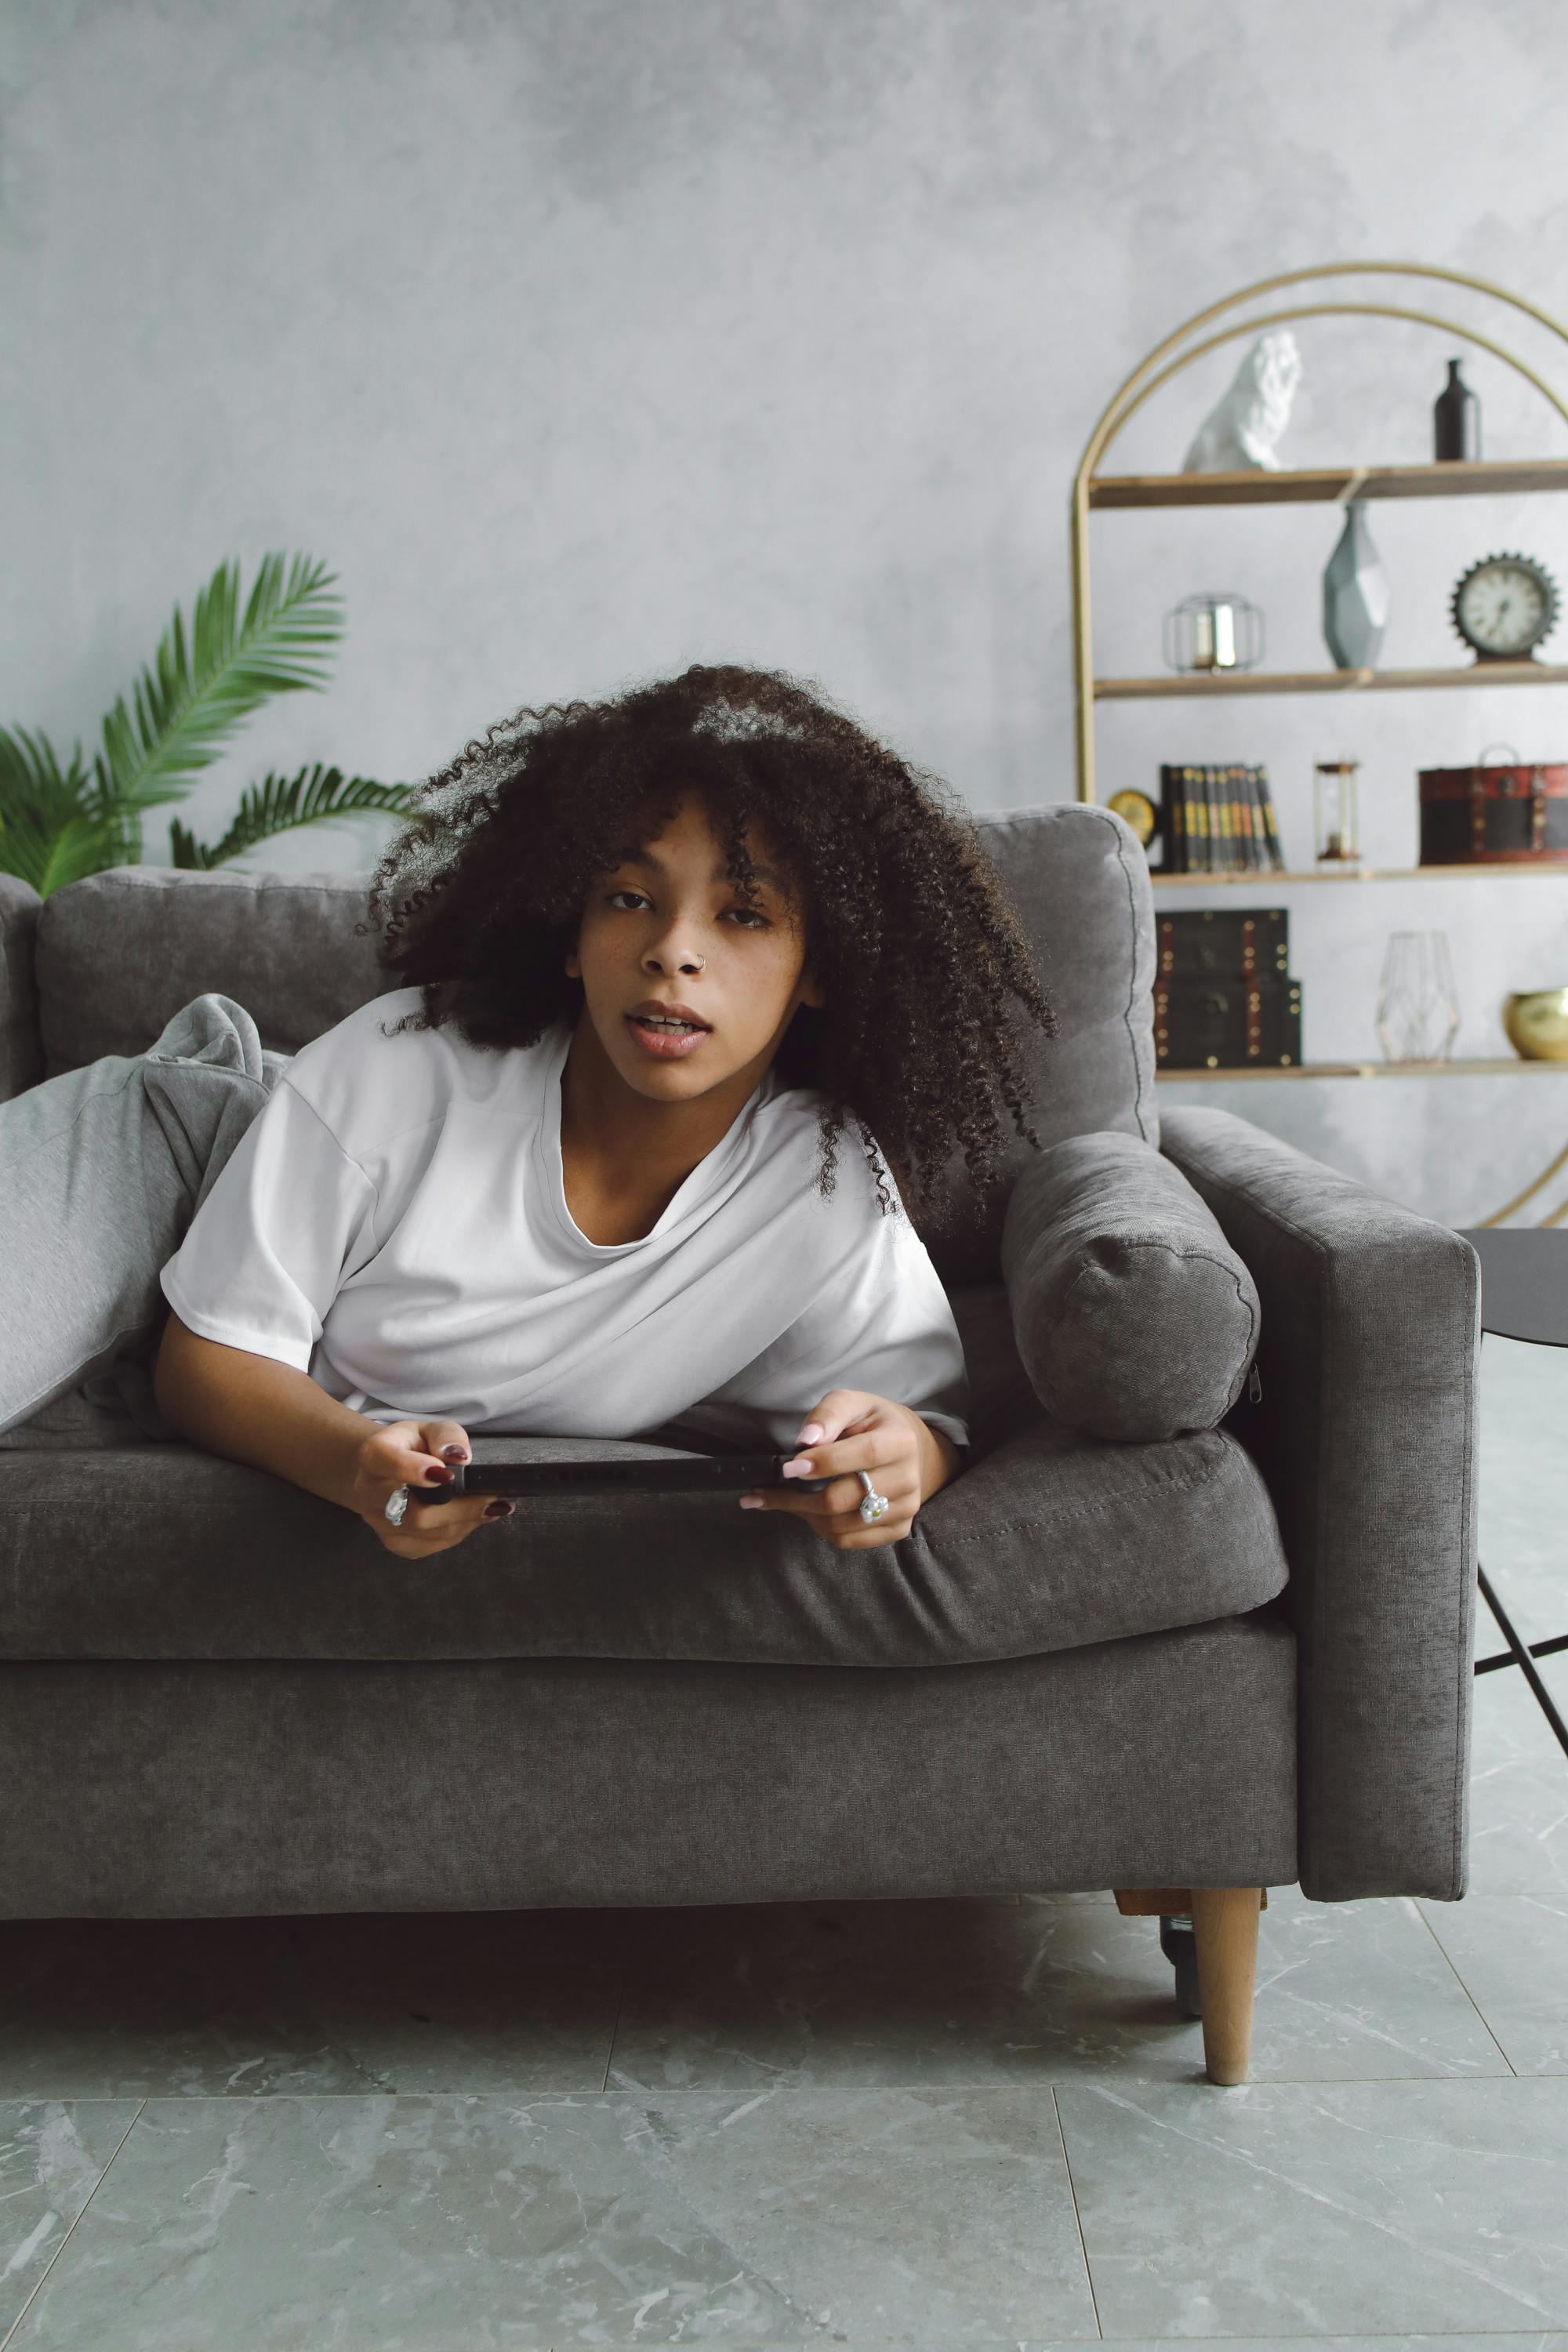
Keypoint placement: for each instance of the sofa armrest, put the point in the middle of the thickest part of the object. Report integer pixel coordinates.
(21, 1046)
(1365, 1431)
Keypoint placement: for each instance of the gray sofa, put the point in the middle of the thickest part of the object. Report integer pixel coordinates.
(1239, 1658)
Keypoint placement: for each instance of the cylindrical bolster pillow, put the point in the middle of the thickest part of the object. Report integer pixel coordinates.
(1133, 1315)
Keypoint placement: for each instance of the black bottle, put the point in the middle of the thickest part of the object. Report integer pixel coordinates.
(1456, 419)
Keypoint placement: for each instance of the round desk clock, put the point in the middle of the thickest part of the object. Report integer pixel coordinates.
(1504, 606)
(1138, 811)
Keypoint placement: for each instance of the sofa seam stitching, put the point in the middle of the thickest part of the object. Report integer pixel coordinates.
(1131, 990)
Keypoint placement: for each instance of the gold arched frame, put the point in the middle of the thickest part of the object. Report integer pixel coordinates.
(1133, 391)
(1537, 1184)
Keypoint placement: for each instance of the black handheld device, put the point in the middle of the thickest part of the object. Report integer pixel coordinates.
(704, 1472)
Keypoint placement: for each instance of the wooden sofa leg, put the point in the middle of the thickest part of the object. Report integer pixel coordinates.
(1224, 1926)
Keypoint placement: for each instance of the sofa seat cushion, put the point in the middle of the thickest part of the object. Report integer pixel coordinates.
(1048, 1540)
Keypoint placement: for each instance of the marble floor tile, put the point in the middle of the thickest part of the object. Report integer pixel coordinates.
(489, 2001)
(1356, 2209)
(905, 1993)
(757, 1996)
(1519, 1792)
(52, 2157)
(1530, 2342)
(933, 2219)
(1512, 1953)
(1467, 2343)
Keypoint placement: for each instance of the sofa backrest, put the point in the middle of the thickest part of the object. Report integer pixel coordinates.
(100, 965)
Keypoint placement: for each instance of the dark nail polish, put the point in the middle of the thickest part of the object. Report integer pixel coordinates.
(499, 1510)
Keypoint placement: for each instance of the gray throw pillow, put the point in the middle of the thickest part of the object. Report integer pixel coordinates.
(1133, 1315)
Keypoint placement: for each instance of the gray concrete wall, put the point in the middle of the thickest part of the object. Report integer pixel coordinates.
(590, 337)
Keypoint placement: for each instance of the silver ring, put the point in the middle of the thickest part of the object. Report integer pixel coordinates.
(396, 1503)
(875, 1506)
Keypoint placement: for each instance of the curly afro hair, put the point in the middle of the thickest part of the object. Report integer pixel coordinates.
(916, 948)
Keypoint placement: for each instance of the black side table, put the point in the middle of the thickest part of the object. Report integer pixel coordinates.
(1524, 1295)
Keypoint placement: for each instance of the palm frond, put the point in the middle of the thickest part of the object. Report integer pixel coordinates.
(189, 701)
(48, 833)
(277, 803)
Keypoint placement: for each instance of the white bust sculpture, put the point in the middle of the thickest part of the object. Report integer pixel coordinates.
(1243, 425)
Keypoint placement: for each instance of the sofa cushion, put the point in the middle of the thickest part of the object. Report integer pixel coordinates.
(119, 952)
(1133, 1315)
(1049, 1540)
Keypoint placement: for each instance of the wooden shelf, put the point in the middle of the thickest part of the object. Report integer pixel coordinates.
(1513, 1065)
(1305, 484)
(1264, 877)
(1332, 681)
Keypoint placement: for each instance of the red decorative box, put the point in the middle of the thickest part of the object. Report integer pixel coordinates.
(1493, 816)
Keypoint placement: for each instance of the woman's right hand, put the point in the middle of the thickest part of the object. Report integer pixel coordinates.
(409, 1454)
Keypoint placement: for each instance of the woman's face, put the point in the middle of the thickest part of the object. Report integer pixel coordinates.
(667, 927)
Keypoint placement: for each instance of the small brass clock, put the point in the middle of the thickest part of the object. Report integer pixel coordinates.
(1504, 606)
(1138, 811)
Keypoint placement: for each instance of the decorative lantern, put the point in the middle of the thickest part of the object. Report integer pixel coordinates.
(1216, 631)
(1334, 811)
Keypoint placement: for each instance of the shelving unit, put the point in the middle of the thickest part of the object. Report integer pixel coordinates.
(1335, 483)
(1339, 483)
(1096, 492)
(1332, 681)
(1511, 1066)
(1344, 876)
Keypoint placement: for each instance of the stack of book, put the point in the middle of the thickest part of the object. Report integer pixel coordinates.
(1224, 998)
(1218, 821)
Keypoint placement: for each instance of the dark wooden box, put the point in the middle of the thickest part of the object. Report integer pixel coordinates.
(1232, 942)
(1225, 1023)
(1496, 816)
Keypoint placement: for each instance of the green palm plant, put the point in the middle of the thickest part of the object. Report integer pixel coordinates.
(60, 820)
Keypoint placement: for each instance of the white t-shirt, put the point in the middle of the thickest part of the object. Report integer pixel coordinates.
(393, 1222)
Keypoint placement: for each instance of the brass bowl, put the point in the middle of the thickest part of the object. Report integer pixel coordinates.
(1536, 1020)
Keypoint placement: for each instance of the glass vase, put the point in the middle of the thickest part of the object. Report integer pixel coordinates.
(1418, 1003)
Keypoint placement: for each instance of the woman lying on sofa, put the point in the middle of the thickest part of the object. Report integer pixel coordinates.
(579, 1174)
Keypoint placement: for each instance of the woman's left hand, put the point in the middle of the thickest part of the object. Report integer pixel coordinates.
(851, 1429)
